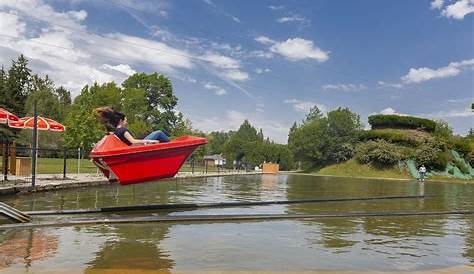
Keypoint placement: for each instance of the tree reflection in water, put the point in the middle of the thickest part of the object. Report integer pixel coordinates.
(137, 247)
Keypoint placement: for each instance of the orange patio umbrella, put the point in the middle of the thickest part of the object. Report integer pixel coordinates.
(6, 117)
(43, 124)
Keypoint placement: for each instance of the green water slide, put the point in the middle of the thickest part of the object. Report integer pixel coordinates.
(451, 171)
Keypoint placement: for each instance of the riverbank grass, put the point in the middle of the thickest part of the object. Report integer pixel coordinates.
(352, 168)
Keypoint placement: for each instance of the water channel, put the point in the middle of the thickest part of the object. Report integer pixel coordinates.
(425, 244)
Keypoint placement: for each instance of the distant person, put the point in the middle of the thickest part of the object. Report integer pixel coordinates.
(422, 172)
(116, 122)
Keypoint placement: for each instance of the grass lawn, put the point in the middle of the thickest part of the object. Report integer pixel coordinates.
(354, 169)
(55, 166)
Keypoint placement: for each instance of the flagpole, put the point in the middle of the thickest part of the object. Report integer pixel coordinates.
(34, 150)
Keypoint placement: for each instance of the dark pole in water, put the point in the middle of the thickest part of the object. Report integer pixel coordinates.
(214, 205)
(35, 144)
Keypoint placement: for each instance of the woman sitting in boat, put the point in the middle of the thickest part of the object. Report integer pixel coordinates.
(116, 122)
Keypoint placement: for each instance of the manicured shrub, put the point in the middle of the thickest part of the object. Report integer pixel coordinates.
(391, 136)
(380, 153)
(406, 122)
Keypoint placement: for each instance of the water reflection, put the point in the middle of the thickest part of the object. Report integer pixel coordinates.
(122, 253)
(26, 246)
(375, 243)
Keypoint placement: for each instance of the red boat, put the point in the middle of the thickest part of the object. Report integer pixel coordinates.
(135, 164)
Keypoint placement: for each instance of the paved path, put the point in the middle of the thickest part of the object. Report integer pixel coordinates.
(45, 182)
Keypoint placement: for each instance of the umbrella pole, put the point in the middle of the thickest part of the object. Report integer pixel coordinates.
(35, 144)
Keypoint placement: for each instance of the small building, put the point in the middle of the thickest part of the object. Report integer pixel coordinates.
(214, 160)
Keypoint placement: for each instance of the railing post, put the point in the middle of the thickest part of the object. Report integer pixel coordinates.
(192, 164)
(78, 160)
(205, 163)
(35, 144)
(64, 163)
(5, 161)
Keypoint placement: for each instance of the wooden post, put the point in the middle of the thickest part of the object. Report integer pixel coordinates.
(13, 158)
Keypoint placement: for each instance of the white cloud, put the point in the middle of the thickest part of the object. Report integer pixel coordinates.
(276, 7)
(78, 15)
(304, 106)
(297, 49)
(222, 61)
(344, 87)
(424, 74)
(237, 75)
(125, 69)
(58, 44)
(437, 4)
(261, 70)
(388, 111)
(265, 40)
(217, 90)
(230, 66)
(11, 26)
(294, 18)
(459, 9)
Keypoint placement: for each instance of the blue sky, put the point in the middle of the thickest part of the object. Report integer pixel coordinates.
(266, 61)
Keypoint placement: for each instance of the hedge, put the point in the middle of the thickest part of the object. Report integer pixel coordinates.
(391, 136)
(396, 121)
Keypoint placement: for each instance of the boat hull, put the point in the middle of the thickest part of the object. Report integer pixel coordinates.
(137, 164)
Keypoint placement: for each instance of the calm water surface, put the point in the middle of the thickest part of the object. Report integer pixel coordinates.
(391, 244)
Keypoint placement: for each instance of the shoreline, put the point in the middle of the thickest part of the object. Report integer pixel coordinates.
(447, 180)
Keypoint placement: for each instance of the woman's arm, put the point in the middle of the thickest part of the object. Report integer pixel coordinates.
(138, 141)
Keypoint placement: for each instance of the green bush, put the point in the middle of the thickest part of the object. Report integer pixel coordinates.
(462, 166)
(440, 162)
(462, 146)
(470, 158)
(391, 136)
(397, 121)
(379, 152)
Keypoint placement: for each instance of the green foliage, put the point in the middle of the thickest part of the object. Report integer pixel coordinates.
(320, 140)
(443, 130)
(161, 101)
(379, 153)
(396, 121)
(461, 145)
(432, 155)
(393, 136)
(462, 166)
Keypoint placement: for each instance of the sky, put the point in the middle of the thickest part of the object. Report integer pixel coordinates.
(265, 61)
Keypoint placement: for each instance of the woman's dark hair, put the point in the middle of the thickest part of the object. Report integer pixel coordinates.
(109, 117)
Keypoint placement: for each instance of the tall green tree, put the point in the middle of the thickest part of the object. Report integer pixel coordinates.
(18, 86)
(161, 100)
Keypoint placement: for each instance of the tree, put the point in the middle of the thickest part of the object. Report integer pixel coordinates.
(161, 100)
(17, 86)
(134, 105)
(344, 127)
(321, 140)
